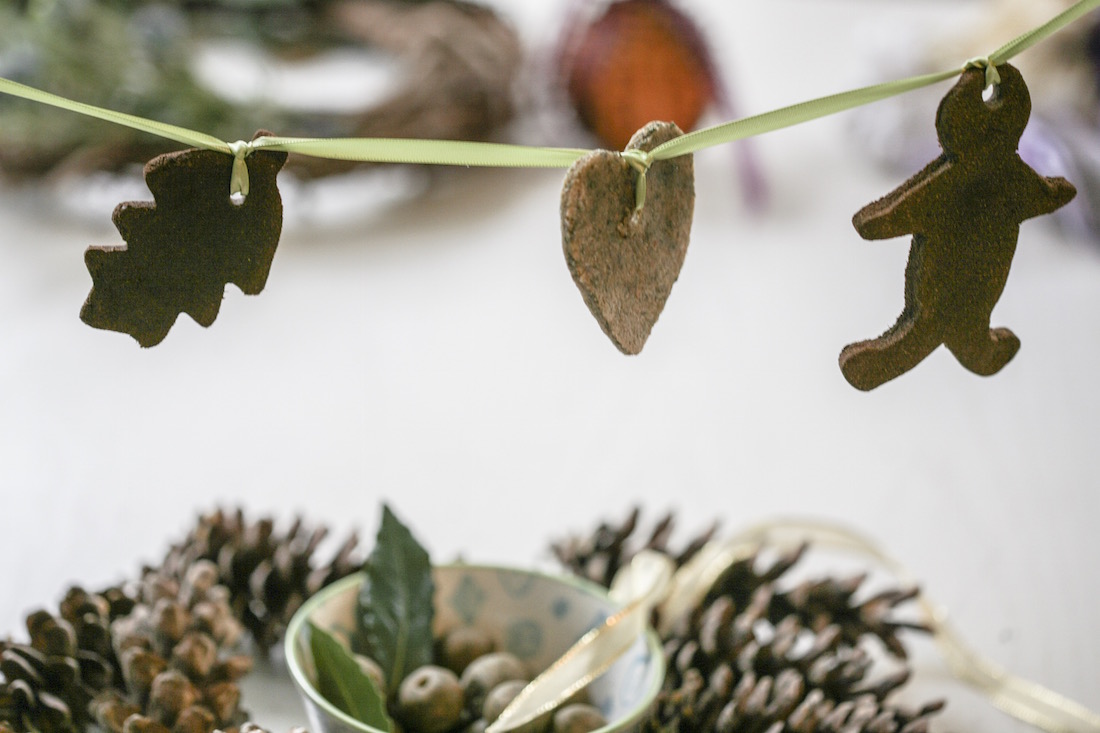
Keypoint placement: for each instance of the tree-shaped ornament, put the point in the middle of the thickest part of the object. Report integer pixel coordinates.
(183, 247)
(964, 211)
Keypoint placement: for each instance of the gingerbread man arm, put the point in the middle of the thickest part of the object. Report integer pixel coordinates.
(1062, 191)
(898, 213)
(1041, 195)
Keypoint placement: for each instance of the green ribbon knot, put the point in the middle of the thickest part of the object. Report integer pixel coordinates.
(992, 76)
(238, 180)
(639, 160)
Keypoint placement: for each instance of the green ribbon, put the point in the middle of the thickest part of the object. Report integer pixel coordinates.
(160, 129)
(463, 153)
(823, 106)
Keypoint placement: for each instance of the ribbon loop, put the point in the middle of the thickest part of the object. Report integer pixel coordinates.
(238, 180)
(992, 76)
(639, 160)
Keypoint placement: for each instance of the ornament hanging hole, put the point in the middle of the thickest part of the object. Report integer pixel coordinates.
(237, 199)
(991, 95)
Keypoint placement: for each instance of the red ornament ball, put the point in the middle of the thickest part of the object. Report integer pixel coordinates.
(641, 60)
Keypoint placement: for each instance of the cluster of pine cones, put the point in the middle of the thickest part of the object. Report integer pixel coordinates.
(163, 654)
(763, 656)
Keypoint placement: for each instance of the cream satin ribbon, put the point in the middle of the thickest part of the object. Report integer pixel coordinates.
(638, 587)
(1022, 699)
(649, 582)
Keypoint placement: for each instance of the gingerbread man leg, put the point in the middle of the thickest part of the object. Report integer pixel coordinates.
(983, 350)
(868, 364)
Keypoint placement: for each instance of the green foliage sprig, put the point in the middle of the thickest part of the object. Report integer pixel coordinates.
(341, 681)
(395, 608)
(393, 619)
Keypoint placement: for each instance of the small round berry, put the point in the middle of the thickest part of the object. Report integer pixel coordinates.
(578, 718)
(500, 697)
(430, 700)
(488, 671)
(463, 645)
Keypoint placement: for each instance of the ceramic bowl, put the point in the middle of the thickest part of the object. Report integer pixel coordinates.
(533, 615)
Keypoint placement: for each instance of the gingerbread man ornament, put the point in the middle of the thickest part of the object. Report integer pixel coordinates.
(964, 211)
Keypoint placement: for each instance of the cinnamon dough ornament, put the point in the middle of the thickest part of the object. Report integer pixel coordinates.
(964, 212)
(186, 245)
(625, 261)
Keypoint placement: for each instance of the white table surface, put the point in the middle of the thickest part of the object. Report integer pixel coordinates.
(435, 354)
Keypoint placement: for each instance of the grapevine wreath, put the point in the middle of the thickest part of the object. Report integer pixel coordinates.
(453, 67)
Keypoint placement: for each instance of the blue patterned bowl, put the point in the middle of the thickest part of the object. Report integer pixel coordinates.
(533, 615)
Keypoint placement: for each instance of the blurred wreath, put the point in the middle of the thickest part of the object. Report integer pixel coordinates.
(457, 65)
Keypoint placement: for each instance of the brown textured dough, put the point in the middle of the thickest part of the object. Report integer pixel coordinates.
(625, 262)
(964, 212)
(183, 247)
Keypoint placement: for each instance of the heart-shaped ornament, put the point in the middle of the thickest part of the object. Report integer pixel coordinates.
(623, 260)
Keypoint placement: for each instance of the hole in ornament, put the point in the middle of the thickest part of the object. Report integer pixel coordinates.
(991, 94)
(236, 198)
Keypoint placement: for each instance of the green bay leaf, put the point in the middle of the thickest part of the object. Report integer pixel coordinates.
(395, 602)
(342, 682)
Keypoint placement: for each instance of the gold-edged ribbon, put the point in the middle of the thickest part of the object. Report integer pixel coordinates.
(1022, 699)
(638, 587)
(648, 582)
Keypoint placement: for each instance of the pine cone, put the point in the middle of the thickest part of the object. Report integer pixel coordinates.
(164, 654)
(179, 656)
(749, 677)
(599, 556)
(268, 575)
(782, 705)
(48, 683)
(142, 724)
(109, 656)
(829, 601)
(756, 658)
